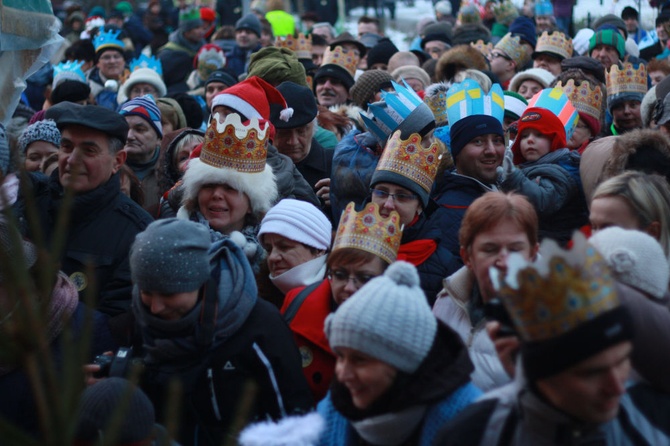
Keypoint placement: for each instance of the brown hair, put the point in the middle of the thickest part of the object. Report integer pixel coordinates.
(493, 207)
(351, 256)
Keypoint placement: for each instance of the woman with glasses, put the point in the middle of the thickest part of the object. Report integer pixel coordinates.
(402, 182)
(365, 244)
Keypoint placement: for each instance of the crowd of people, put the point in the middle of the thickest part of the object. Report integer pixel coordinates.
(334, 242)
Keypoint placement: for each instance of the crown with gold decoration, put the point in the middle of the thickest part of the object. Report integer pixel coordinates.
(555, 43)
(629, 82)
(585, 99)
(144, 61)
(435, 96)
(368, 231)
(342, 57)
(234, 145)
(512, 46)
(505, 12)
(484, 48)
(557, 293)
(108, 40)
(301, 45)
(408, 158)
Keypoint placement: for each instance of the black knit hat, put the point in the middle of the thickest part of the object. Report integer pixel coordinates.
(587, 64)
(334, 71)
(71, 91)
(249, 22)
(382, 52)
(222, 76)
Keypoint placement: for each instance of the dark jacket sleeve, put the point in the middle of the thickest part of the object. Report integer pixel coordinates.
(547, 187)
(290, 182)
(466, 428)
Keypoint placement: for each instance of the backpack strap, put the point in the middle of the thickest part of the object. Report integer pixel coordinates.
(296, 303)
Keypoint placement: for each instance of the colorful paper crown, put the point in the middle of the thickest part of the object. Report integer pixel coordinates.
(484, 48)
(557, 293)
(585, 99)
(399, 109)
(368, 231)
(557, 102)
(301, 45)
(342, 57)
(512, 46)
(555, 43)
(467, 98)
(70, 70)
(234, 145)
(143, 61)
(631, 79)
(436, 98)
(108, 39)
(505, 12)
(408, 158)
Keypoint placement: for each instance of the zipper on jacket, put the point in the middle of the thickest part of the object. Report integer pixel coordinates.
(215, 404)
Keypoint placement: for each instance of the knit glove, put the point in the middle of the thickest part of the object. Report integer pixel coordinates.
(508, 167)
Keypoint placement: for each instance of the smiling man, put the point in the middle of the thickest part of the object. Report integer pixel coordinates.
(103, 221)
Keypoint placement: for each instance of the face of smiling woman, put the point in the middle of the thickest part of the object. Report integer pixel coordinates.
(223, 207)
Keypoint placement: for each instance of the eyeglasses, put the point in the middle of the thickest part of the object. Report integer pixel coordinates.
(343, 277)
(398, 198)
(496, 55)
(141, 91)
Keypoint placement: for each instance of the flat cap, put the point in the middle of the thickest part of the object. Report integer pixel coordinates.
(92, 116)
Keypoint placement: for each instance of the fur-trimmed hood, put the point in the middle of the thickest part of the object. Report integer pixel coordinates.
(351, 112)
(459, 58)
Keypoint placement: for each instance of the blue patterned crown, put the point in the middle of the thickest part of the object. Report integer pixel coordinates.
(108, 39)
(70, 70)
(146, 62)
(401, 109)
(557, 102)
(467, 98)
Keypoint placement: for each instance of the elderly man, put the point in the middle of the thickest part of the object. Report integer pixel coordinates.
(103, 221)
(607, 46)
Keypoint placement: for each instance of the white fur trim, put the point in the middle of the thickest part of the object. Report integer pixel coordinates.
(182, 213)
(303, 430)
(261, 188)
(237, 104)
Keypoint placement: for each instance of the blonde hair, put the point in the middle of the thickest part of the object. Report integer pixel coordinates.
(476, 75)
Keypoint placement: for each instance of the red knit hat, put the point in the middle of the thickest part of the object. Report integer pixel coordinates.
(546, 123)
(592, 122)
(207, 14)
(252, 98)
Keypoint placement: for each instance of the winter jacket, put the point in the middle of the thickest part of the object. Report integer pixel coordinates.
(316, 166)
(552, 184)
(326, 10)
(102, 227)
(138, 33)
(103, 98)
(318, 361)
(441, 384)
(237, 60)
(177, 60)
(451, 308)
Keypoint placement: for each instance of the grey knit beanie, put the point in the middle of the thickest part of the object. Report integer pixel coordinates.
(367, 85)
(171, 256)
(40, 131)
(388, 318)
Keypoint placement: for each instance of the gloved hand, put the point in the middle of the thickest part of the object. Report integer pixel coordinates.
(508, 166)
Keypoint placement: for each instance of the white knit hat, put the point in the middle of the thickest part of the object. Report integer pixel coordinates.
(636, 258)
(143, 76)
(298, 221)
(388, 319)
(539, 75)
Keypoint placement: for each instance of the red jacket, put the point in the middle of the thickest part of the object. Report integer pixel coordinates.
(318, 361)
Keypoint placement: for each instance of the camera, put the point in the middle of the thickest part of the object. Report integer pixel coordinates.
(118, 365)
(495, 310)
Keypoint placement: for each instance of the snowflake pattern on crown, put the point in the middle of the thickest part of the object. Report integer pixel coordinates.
(343, 58)
(368, 231)
(629, 79)
(234, 145)
(585, 99)
(108, 39)
(558, 292)
(556, 42)
(144, 61)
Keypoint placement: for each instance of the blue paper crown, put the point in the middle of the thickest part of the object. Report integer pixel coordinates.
(69, 70)
(108, 39)
(146, 62)
(467, 99)
(557, 102)
(394, 108)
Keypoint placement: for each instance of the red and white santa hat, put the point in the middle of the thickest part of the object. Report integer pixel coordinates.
(253, 98)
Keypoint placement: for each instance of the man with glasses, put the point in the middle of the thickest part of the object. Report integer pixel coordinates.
(508, 57)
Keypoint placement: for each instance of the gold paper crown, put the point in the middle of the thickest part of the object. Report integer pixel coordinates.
(629, 79)
(559, 292)
(585, 99)
(408, 158)
(301, 45)
(368, 231)
(342, 57)
(556, 43)
(436, 98)
(231, 144)
(484, 48)
(513, 47)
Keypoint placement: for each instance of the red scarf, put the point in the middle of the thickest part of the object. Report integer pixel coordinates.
(417, 252)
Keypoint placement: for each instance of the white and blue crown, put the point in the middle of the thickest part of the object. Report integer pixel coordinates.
(557, 102)
(145, 61)
(467, 99)
(70, 70)
(108, 39)
(400, 109)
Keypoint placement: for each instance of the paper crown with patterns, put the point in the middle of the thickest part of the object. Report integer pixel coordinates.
(343, 58)
(108, 40)
(70, 70)
(484, 48)
(505, 12)
(585, 99)
(557, 102)
(558, 292)
(435, 96)
(301, 45)
(512, 46)
(556, 43)
(401, 109)
(144, 61)
(627, 83)
(467, 99)
(234, 153)
(368, 231)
